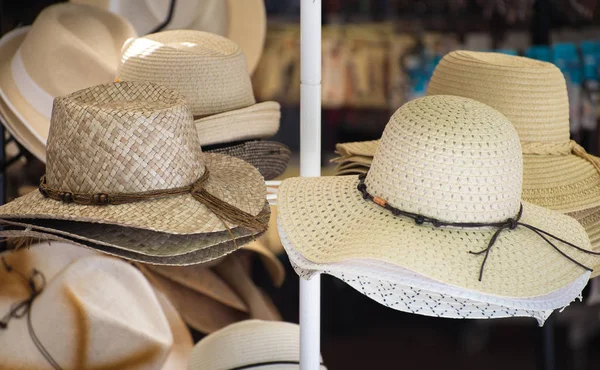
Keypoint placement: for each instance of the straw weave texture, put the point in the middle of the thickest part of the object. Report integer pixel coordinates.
(446, 157)
(209, 70)
(269, 157)
(132, 137)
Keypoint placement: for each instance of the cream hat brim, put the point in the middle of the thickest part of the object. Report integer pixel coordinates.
(257, 121)
(327, 221)
(28, 126)
(231, 179)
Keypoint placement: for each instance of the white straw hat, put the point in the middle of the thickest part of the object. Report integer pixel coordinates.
(442, 160)
(68, 47)
(251, 344)
(210, 71)
(125, 324)
(243, 21)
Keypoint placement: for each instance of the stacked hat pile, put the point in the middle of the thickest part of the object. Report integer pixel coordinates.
(128, 175)
(442, 219)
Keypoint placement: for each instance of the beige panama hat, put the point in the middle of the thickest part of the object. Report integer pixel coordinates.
(126, 326)
(147, 180)
(210, 71)
(210, 298)
(68, 47)
(442, 200)
(251, 344)
(243, 21)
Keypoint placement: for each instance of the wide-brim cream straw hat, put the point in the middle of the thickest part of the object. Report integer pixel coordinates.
(243, 21)
(271, 158)
(126, 324)
(256, 344)
(405, 291)
(210, 71)
(69, 47)
(454, 160)
(143, 139)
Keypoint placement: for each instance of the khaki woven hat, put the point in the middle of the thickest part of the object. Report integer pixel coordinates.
(243, 21)
(251, 344)
(69, 47)
(442, 200)
(210, 71)
(124, 157)
(271, 158)
(126, 326)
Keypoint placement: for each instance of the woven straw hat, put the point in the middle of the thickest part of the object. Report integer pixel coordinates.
(143, 139)
(269, 157)
(454, 160)
(210, 71)
(243, 21)
(256, 344)
(127, 325)
(405, 291)
(68, 47)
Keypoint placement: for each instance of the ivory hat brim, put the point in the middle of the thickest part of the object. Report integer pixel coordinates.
(327, 221)
(409, 292)
(258, 121)
(231, 180)
(23, 120)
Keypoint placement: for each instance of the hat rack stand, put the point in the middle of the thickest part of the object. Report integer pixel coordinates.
(310, 166)
(166, 22)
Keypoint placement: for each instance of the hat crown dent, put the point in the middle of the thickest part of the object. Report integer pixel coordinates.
(450, 158)
(122, 137)
(532, 94)
(208, 69)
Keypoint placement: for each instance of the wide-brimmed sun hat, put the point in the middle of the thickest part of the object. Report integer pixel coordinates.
(269, 157)
(125, 156)
(48, 291)
(251, 344)
(243, 21)
(210, 71)
(69, 47)
(442, 200)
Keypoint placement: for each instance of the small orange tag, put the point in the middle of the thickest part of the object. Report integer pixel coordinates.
(379, 201)
(117, 80)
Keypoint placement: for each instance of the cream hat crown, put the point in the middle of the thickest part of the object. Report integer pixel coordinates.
(209, 70)
(449, 158)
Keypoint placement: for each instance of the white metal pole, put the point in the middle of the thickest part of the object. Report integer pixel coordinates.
(310, 166)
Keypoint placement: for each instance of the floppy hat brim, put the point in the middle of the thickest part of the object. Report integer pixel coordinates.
(231, 179)
(269, 157)
(27, 124)
(202, 280)
(327, 221)
(258, 121)
(23, 136)
(590, 220)
(361, 148)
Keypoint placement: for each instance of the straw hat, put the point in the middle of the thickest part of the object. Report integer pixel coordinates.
(210, 298)
(249, 344)
(447, 160)
(243, 21)
(126, 325)
(269, 157)
(68, 47)
(145, 156)
(210, 71)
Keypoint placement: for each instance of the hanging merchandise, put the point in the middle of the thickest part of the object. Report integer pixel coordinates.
(49, 290)
(590, 51)
(147, 193)
(566, 58)
(244, 22)
(213, 295)
(440, 211)
(250, 344)
(69, 47)
(558, 173)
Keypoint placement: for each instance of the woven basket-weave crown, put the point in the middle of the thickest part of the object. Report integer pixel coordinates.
(450, 158)
(122, 137)
(209, 70)
(530, 93)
